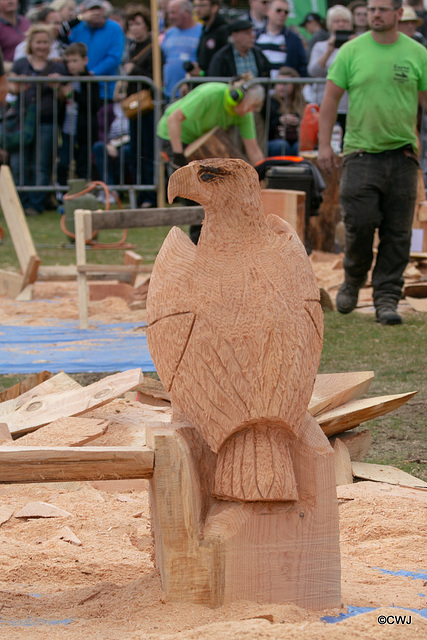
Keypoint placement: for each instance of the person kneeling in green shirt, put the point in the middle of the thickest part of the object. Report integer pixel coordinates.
(210, 105)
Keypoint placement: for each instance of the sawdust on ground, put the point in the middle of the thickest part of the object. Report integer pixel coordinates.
(109, 589)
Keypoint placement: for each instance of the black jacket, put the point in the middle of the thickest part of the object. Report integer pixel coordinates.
(86, 96)
(143, 66)
(223, 65)
(213, 38)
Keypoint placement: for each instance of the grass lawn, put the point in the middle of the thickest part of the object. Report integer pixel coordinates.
(397, 354)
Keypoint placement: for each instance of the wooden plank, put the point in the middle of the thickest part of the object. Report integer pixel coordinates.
(81, 221)
(288, 205)
(42, 410)
(69, 273)
(133, 259)
(105, 268)
(334, 389)
(343, 472)
(69, 464)
(10, 283)
(385, 473)
(354, 413)
(161, 217)
(57, 272)
(28, 383)
(65, 432)
(358, 443)
(120, 272)
(102, 290)
(30, 273)
(60, 382)
(15, 219)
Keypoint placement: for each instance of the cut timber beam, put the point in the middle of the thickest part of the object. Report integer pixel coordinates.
(288, 205)
(131, 218)
(69, 464)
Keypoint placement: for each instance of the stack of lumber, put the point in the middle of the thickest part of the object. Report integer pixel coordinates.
(48, 425)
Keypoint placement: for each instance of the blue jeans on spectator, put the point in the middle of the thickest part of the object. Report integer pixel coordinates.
(281, 147)
(142, 154)
(37, 163)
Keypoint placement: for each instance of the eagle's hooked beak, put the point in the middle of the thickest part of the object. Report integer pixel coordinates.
(183, 183)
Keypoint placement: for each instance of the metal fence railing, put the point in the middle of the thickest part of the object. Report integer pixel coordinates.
(24, 134)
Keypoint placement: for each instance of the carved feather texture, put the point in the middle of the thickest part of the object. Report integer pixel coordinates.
(255, 464)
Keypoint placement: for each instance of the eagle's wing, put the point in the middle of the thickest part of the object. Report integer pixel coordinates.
(169, 313)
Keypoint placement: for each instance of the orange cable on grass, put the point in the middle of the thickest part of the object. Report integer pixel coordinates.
(98, 245)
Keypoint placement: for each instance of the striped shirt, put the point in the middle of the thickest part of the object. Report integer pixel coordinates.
(274, 49)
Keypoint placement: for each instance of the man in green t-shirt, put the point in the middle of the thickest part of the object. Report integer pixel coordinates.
(210, 105)
(383, 72)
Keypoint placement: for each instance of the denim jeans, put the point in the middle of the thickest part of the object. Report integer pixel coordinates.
(282, 148)
(378, 191)
(36, 164)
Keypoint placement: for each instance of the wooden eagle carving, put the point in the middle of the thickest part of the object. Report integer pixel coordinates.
(235, 329)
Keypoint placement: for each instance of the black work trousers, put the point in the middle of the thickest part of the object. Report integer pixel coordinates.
(378, 191)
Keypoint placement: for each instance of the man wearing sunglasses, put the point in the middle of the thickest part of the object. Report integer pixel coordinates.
(383, 72)
(257, 14)
(280, 45)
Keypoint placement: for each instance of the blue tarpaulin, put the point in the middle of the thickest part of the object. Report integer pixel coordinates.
(65, 347)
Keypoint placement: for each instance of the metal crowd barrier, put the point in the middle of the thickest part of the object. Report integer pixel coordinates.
(127, 181)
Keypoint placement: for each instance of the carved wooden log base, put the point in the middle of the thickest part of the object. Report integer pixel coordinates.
(213, 552)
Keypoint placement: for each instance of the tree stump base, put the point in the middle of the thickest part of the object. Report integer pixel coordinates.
(214, 552)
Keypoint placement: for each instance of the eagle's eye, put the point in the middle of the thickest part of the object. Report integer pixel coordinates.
(207, 177)
(209, 173)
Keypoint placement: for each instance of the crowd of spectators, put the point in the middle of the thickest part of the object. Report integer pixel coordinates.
(204, 38)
